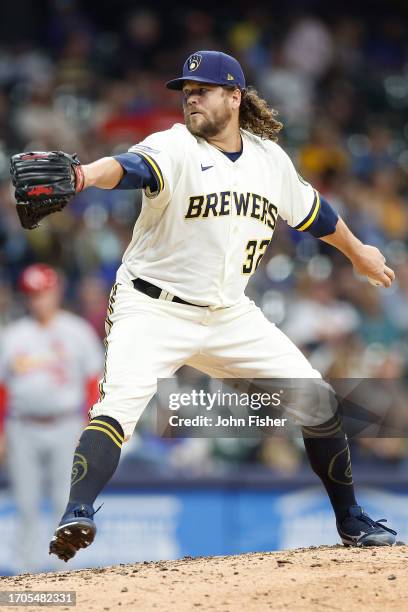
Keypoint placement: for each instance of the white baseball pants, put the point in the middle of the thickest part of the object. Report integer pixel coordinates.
(148, 339)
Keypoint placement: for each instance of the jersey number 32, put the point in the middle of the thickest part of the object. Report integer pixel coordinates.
(255, 250)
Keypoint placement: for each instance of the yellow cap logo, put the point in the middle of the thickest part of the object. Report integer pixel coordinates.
(230, 77)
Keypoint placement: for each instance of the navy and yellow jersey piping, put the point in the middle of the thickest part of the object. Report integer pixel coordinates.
(314, 211)
(154, 166)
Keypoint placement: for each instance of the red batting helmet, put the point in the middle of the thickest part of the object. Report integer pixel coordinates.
(38, 277)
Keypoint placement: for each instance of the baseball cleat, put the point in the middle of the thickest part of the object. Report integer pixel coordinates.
(358, 529)
(76, 530)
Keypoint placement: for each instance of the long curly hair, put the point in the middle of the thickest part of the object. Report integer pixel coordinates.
(257, 117)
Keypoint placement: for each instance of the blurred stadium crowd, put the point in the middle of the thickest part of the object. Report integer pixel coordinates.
(340, 84)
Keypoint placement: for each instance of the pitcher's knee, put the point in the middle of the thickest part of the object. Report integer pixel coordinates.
(125, 425)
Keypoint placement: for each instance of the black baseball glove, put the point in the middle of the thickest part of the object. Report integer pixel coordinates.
(45, 181)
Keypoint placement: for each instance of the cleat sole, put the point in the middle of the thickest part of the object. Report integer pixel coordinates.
(66, 542)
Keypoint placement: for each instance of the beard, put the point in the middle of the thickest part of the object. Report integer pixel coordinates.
(207, 127)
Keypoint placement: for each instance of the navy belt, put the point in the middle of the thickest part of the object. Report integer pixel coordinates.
(159, 294)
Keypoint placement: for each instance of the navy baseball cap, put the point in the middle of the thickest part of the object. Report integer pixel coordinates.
(210, 67)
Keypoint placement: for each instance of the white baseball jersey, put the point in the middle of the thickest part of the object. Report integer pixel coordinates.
(45, 368)
(203, 233)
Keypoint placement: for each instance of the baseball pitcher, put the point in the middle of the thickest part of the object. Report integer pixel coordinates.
(213, 189)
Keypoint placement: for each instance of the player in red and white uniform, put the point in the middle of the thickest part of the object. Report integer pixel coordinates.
(50, 362)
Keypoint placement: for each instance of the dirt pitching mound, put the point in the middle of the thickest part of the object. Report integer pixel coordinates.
(324, 578)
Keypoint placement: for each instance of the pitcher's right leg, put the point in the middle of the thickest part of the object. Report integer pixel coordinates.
(146, 339)
(95, 461)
